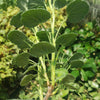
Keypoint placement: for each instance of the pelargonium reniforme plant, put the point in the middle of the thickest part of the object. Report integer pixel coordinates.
(52, 71)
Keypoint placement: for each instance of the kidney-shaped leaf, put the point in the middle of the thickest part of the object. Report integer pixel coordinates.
(30, 4)
(19, 39)
(26, 79)
(66, 39)
(21, 60)
(42, 35)
(77, 10)
(33, 17)
(41, 49)
(76, 56)
(16, 20)
(60, 3)
(76, 63)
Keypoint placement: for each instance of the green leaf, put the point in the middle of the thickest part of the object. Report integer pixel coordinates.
(77, 10)
(42, 35)
(36, 4)
(76, 56)
(41, 49)
(66, 39)
(93, 84)
(19, 39)
(22, 59)
(60, 3)
(26, 79)
(75, 73)
(30, 4)
(90, 64)
(61, 73)
(84, 76)
(76, 63)
(33, 17)
(16, 20)
(90, 74)
(3, 5)
(63, 93)
(22, 4)
(96, 97)
(68, 79)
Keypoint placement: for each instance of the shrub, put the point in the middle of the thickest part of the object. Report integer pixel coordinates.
(52, 77)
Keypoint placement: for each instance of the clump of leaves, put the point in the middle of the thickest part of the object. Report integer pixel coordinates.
(89, 72)
(4, 4)
(50, 78)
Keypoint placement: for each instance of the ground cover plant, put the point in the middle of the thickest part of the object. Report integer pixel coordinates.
(44, 57)
(87, 76)
(7, 52)
(9, 74)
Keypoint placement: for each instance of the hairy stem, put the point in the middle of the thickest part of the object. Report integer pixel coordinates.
(53, 64)
(40, 87)
(44, 68)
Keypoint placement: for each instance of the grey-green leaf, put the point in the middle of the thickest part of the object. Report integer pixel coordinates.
(60, 3)
(26, 79)
(42, 35)
(22, 59)
(76, 63)
(77, 10)
(66, 39)
(33, 17)
(30, 4)
(41, 49)
(76, 56)
(16, 20)
(19, 39)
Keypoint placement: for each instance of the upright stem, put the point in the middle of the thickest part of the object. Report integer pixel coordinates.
(44, 68)
(53, 64)
(42, 62)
